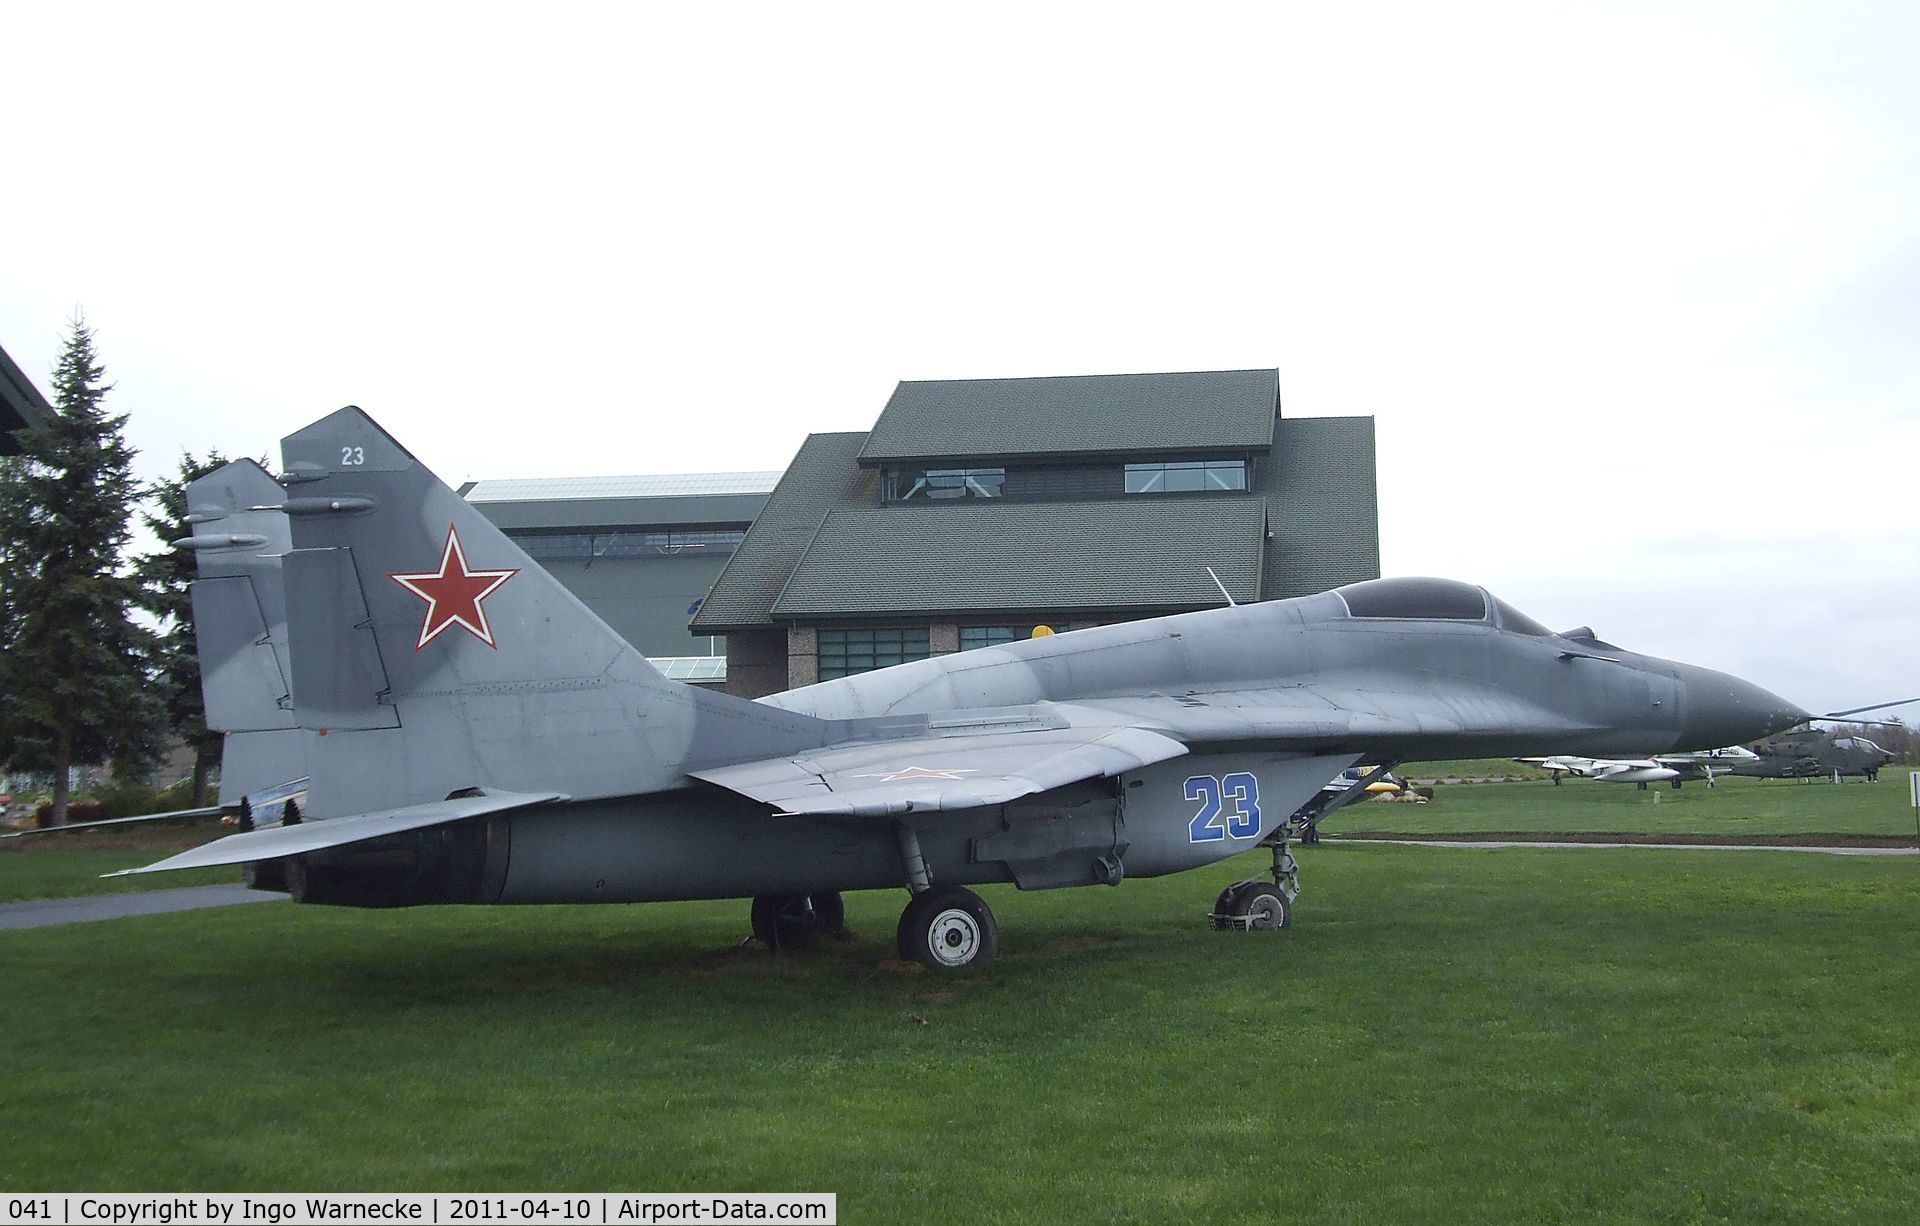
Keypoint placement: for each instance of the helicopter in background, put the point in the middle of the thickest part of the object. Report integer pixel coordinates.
(1815, 753)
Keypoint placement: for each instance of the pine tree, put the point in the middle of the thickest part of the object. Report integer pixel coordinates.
(73, 683)
(165, 576)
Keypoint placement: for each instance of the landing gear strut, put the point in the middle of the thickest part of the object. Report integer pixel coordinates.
(791, 922)
(1252, 904)
(944, 926)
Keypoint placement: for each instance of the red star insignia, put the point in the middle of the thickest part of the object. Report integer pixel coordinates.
(453, 594)
(917, 772)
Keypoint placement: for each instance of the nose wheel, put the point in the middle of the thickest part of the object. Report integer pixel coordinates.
(948, 927)
(1251, 905)
(1257, 905)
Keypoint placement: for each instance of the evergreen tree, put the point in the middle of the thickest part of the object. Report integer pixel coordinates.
(176, 661)
(73, 686)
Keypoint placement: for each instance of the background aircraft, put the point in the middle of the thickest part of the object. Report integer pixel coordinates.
(474, 734)
(1674, 768)
(1815, 753)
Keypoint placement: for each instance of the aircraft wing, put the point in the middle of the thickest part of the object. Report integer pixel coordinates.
(1614, 766)
(308, 836)
(887, 778)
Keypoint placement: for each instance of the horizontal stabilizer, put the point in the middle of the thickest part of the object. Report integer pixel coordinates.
(339, 831)
(923, 774)
(177, 815)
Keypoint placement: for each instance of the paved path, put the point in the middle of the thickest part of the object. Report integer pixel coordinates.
(1828, 851)
(43, 911)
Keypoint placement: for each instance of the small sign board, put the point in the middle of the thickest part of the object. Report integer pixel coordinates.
(1913, 789)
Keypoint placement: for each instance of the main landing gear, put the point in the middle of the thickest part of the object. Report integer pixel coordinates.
(944, 927)
(792, 922)
(948, 927)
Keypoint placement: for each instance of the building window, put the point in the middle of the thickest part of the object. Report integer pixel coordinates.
(559, 546)
(846, 652)
(918, 484)
(992, 636)
(1187, 477)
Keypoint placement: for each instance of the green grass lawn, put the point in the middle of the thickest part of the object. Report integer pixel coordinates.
(1443, 1035)
(1731, 807)
(69, 865)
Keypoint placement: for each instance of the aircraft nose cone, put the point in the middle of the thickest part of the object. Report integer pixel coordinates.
(1721, 710)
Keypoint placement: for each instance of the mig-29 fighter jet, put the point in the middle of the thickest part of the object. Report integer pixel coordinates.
(474, 734)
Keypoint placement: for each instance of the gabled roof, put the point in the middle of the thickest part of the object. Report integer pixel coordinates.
(984, 557)
(824, 549)
(22, 407)
(1324, 525)
(1079, 415)
(660, 485)
(534, 504)
(823, 476)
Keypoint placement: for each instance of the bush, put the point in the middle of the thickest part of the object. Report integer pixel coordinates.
(124, 798)
(77, 811)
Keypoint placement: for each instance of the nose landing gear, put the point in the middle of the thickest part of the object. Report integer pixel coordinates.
(1255, 904)
(1248, 905)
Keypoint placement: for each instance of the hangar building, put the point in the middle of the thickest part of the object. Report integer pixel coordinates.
(639, 551)
(976, 509)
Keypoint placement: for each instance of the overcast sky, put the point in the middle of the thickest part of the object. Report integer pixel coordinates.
(1633, 294)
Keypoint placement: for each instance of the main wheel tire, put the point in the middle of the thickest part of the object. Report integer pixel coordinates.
(1267, 906)
(269, 875)
(948, 927)
(786, 922)
(829, 914)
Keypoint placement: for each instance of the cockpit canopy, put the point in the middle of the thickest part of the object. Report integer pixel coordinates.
(1850, 744)
(1434, 599)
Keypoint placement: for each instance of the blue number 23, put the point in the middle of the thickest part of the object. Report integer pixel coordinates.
(1229, 807)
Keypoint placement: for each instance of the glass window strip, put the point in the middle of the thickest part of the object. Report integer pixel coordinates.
(945, 483)
(842, 653)
(973, 637)
(1185, 476)
(550, 546)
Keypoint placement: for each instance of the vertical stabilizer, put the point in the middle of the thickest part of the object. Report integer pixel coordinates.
(432, 655)
(240, 626)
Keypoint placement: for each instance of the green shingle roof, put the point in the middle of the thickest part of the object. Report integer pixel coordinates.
(824, 475)
(823, 548)
(1325, 517)
(1140, 554)
(1226, 410)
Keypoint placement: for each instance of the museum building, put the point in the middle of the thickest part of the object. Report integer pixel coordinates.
(640, 552)
(976, 510)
